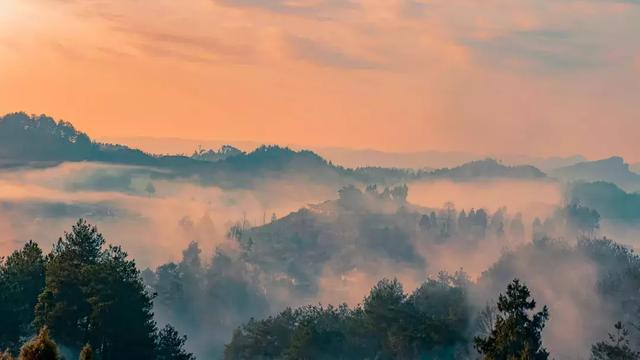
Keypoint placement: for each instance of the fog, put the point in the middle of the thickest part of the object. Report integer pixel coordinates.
(150, 222)
(330, 252)
(532, 198)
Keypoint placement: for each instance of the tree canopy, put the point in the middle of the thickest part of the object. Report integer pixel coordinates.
(516, 335)
(82, 294)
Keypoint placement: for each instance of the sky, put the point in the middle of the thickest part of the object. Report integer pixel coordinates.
(533, 77)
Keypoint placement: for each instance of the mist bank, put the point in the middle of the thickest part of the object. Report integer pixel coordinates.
(217, 256)
(154, 212)
(335, 251)
(155, 218)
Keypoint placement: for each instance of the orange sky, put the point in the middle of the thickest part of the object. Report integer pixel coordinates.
(531, 77)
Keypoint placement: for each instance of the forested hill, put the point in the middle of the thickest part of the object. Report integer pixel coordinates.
(29, 140)
(488, 168)
(25, 139)
(613, 170)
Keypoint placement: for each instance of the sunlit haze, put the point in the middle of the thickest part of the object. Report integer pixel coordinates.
(547, 77)
(319, 179)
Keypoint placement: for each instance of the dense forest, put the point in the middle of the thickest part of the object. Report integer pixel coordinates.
(88, 299)
(87, 296)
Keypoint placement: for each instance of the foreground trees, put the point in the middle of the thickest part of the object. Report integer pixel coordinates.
(430, 323)
(616, 348)
(170, 345)
(95, 295)
(21, 280)
(516, 335)
(40, 348)
(90, 296)
(84, 295)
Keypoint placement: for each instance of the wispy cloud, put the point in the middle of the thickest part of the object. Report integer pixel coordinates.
(540, 50)
(414, 8)
(191, 48)
(424, 64)
(326, 55)
(311, 8)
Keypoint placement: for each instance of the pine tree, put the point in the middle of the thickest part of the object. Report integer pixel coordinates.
(617, 348)
(21, 281)
(96, 295)
(63, 305)
(516, 335)
(170, 345)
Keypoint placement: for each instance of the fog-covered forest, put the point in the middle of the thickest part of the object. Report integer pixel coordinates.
(109, 252)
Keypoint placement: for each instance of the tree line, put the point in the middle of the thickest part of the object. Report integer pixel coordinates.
(434, 322)
(88, 300)
(83, 294)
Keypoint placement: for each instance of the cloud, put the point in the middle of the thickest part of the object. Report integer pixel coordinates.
(414, 8)
(533, 198)
(427, 62)
(308, 8)
(325, 55)
(191, 48)
(539, 49)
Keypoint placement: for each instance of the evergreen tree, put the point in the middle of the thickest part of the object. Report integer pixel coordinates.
(617, 348)
(385, 311)
(121, 318)
(21, 280)
(40, 348)
(431, 323)
(64, 306)
(516, 335)
(95, 295)
(170, 345)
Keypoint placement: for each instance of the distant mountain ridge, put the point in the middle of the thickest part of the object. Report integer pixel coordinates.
(349, 157)
(27, 139)
(608, 199)
(39, 139)
(613, 170)
(224, 152)
(435, 159)
(489, 168)
(42, 139)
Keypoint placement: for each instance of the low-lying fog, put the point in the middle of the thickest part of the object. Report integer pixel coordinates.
(152, 217)
(155, 218)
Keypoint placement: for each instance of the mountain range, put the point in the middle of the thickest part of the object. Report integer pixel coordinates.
(30, 140)
(613, 170)
(349, 157)
(609, 200)
(40, 140)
